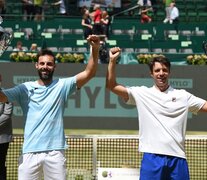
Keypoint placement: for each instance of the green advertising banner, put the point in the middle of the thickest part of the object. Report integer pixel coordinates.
(94, 107)
(93, 100)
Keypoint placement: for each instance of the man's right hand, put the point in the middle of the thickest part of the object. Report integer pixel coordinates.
(94, 41)
(114, 53)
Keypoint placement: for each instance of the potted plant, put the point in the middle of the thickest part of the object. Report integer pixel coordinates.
(197, 59)
(69, 57)
(23, 57)
(145, 58)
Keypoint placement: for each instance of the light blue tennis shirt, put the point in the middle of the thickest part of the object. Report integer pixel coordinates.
(43, 108)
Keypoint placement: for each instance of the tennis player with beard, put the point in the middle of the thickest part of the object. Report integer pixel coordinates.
(43, 102)
(163, 113)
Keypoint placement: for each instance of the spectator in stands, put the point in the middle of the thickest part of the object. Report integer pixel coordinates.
(43, 102)
(34, 47)
(105, 22)
(96, 17)
(2, 8)
(145, 11)
(5, 133)
(154, 6)
(28, 9)
(38, 9)
(19, 47)
(86, 22)
(103, 52)
(167, 10)
(146, 14)
(163, 113)
(174, 14)
(62, 7)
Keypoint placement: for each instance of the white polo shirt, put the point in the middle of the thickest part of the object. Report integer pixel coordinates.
(163, 118)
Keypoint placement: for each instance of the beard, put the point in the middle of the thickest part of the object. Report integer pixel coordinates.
(45, 77)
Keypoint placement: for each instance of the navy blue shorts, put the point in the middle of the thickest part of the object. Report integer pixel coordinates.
(163, 167)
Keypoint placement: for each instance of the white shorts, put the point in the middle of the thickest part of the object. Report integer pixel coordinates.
(51, 164)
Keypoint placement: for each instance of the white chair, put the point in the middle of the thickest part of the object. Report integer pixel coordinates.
(80, 49)
(66, 49)
(199, 33)
(78, 31)
(128, 50)
(142, 50)
(170, 50)
(50, 30)
(186, 50)
(65, 31)
(157, 50)
(117, 31)
(54, 49)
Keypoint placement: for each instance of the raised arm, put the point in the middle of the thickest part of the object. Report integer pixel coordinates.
(90, 71)
(204, 108)
(111, 83)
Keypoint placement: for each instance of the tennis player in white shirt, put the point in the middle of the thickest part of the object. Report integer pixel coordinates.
(163, 113)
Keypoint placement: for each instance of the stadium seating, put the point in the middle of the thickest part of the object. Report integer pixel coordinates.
(126, 32)
(135, 37)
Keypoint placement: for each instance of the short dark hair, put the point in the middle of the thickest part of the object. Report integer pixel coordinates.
(43, 52)
(159, 59)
